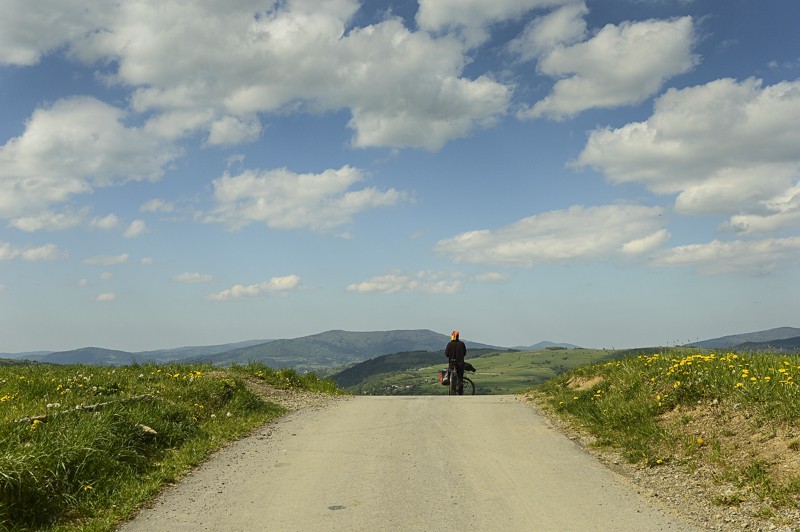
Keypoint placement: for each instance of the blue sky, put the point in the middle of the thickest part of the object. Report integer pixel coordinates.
(610, 174)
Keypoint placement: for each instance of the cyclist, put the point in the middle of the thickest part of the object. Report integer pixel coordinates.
(455, 353)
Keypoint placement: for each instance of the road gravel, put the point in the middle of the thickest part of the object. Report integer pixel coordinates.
(406, 463)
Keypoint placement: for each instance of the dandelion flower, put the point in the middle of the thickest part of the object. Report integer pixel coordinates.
(87, 488)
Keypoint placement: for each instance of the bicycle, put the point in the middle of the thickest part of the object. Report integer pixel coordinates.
(449, 377)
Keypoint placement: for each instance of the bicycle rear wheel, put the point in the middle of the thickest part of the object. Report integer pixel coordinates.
(469, 387)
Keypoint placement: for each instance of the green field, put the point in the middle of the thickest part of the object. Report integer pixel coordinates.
(499, 372)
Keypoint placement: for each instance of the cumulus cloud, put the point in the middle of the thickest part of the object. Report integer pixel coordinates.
(283, 199)
(726, 147)
(193, 277)
(620, 65)
(472, 18)
(275, 285)
(27, 35)
(108, 222)
(49, 221)
(73, 147)
(424, 282)
(749, 257)
(106, 297)
(47, 252)
(780, 212)
(403, 88)
(136, 228)
(157, 205)
(108, 260)
(230, 130)
(578, 233)
(561, 27)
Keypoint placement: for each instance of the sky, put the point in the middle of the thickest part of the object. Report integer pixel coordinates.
(605, 173)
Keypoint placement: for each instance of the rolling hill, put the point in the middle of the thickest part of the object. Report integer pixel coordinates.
(729, 342)
(786, 345)
(545, 345)
(397, 362)
(334, 348)
(498, 371)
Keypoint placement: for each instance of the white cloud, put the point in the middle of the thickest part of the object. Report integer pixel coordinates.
(403, 88)
(193, 277)
(106, 297)
(28, 34)
(749, 257)
(71, 148)
(49, 221)
(106, 276)
(136, 228)
(157, 205)
(146, 261)
(781, 211)
(561, 27)
(579, 233)
(283, 199)
(47, 252)
(108, 260)
(230, 130)
(424, 282)
(108, 222)
(621, 65)
(275, 285)
(725, 147)
(472, 18)
(491, 277)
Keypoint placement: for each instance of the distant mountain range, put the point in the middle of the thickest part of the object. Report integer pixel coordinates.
(333, 349)
(318, 351)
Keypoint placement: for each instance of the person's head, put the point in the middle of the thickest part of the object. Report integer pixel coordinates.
(454, 335)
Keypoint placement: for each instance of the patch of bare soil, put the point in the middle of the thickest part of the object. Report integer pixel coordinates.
(289, 399)
(580, 384)
(700, 483)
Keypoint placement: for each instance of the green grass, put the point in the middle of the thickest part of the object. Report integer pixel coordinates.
(81, 447)
(735, 415)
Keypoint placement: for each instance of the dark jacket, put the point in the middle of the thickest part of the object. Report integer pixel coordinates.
(456, 351)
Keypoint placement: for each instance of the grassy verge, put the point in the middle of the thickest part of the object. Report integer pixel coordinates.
(81, 447)
(733, 418)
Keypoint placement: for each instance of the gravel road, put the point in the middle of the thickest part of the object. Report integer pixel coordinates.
(406, 463)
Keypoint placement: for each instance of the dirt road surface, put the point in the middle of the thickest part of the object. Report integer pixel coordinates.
(406, 463)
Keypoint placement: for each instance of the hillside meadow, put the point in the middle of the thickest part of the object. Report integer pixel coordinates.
(728, 424)
(497, 372)
(81, 447)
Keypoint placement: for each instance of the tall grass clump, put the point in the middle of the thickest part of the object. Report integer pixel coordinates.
(694, 408)
(83, 446)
